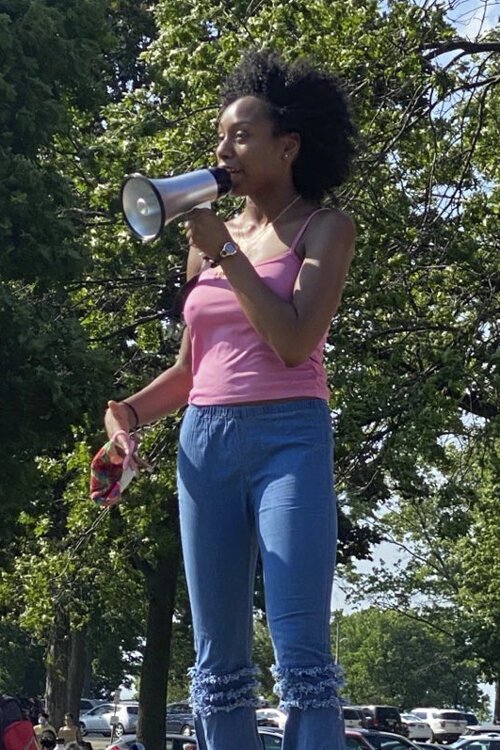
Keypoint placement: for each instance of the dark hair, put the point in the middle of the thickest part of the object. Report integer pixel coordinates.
(301, 100)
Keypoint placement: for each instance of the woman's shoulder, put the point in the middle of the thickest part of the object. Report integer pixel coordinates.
(333, 219)
(330, 228)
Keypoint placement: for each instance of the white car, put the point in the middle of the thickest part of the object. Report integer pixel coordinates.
(418, 729)
(272, 717)
(447, 724)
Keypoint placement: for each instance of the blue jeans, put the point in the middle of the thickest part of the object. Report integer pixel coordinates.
(259, 478)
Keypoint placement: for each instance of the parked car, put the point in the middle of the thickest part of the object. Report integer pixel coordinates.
(124, 718)
(173, 742)
(271, 740)
(482, 729)
(271, 717)
(353, 717)
(384, 718)
(355, 740)
(430, 745)
(417, 729)
(180, 718)
(95, 721)
(447, 724)
(479, 742)
(383, 740)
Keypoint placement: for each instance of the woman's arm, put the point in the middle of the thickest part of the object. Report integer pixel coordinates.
(166, 393)
(293, 329)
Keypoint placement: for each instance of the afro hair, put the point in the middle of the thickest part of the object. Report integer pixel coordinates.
(306, 101)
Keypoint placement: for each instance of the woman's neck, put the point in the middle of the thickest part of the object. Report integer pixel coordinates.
(261, 212)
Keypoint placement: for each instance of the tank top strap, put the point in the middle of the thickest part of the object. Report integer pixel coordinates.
(303, 228)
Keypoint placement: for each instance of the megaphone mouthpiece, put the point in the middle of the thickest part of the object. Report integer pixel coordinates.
(149, 205)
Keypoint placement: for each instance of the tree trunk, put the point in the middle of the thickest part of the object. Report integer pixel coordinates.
(161, 584)
(56, 686)
(76, 670)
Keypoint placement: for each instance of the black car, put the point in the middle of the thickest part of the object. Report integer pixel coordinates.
(180, 718)
(385, 719)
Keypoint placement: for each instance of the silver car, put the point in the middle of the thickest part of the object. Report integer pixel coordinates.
(124, 718)
(95, 721)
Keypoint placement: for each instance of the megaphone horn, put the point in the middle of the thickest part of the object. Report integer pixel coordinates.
(149, 205)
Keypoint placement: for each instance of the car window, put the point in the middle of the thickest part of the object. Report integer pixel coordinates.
(133, 710)
(375, 739)
(353, 743)
(450, 715)
(350, 713)
(390, 744)
(420, 714)
(269, 742)
(100, 710)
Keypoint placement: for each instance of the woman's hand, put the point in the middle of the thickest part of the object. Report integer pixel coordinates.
(206, 231)
(117, 418)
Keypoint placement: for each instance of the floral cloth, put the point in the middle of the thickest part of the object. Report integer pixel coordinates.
(112, 469)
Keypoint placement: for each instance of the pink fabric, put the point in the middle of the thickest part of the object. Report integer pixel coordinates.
(231, 362)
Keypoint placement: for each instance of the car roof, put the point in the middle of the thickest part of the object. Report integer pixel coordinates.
(482, 736)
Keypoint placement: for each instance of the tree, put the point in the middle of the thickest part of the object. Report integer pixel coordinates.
(392, 659)
(50, 67)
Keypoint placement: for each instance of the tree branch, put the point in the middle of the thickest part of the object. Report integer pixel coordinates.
(441, 48)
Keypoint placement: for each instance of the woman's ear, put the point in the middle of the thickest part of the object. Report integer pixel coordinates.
(291, 146)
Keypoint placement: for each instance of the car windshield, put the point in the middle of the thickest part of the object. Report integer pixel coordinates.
(451, 715)
(389, 742)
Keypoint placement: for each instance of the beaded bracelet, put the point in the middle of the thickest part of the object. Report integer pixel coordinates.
(126, 403)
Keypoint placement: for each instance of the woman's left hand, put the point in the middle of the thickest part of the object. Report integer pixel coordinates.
(206, 231)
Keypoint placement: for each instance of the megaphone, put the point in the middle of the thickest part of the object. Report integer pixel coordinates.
(149, 205)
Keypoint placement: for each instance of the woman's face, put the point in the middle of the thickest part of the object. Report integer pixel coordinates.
(249, 149)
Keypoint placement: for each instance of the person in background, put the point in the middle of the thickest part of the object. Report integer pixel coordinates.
(69, 732)
(44, 730)
(255, 459)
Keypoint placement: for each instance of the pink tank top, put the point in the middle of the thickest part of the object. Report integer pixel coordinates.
(230, 361)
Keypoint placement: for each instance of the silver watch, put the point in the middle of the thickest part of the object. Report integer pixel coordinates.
(228, 249)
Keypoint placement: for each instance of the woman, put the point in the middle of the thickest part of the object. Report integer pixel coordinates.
(255, 473)
(69, 732)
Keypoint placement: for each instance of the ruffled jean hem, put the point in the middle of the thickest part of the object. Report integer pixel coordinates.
(308, 687)
(211, 693)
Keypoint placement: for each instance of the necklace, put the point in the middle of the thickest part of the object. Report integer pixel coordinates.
(271, 223)
(218, 273)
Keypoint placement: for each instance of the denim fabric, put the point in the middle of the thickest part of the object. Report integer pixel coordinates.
(260, 478)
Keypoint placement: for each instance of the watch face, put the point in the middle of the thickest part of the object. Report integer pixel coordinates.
(228, 249)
